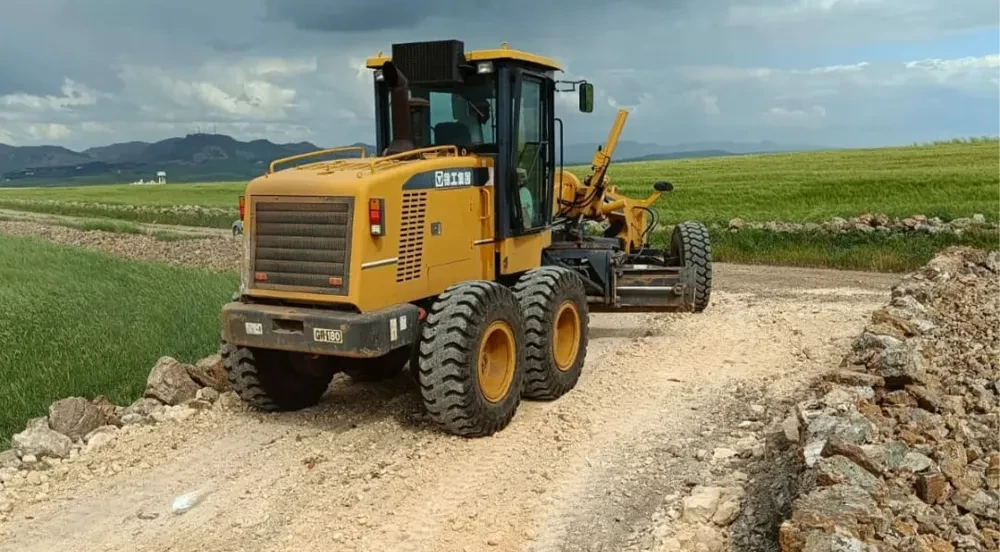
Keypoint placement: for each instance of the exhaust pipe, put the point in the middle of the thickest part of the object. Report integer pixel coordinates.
(400, 109)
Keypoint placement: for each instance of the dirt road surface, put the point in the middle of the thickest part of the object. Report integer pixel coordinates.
(600, 469)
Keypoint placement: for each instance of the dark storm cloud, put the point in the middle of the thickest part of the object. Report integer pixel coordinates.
(359, 16)
(89, 71)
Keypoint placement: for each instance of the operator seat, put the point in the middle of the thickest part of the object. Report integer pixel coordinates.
(452, 133)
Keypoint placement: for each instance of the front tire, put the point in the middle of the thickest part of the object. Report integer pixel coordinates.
(272, 380)
(471, 359)
(690, 245)
(554, 303)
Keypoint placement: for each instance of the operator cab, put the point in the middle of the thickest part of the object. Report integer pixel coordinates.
(498, 104)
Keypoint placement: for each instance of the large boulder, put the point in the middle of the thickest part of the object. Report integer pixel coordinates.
(39, 440)
(208, 372)
(169, 382)
(700, 506)
(75, 417)
(900, 365)
(143, 406)
(841, 509)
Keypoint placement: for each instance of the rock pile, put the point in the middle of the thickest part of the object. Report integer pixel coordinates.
(707, 512)
(76, 426)
(871, 222)
(902, 450)
(125, 207)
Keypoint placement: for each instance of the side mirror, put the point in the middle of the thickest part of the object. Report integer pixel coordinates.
(586, 97)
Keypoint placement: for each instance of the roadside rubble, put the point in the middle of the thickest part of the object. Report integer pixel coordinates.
(75, 427)
(901, 444)
(871, 222)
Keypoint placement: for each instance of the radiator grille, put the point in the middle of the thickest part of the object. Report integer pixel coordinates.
(430, 62)
(409, 263)
(302, 245)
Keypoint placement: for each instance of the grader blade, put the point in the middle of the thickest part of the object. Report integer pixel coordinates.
(650, 288)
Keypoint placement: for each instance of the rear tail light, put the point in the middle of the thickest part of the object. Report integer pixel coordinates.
(243, 208)
(376, 216)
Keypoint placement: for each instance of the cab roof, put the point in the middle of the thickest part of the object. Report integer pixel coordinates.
(503, 52)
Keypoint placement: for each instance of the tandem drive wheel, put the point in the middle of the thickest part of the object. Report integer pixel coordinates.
(276, 380)
(554, 304)
(471, 359)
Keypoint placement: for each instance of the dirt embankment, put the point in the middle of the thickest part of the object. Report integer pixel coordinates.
(216, 253)
(664, 443)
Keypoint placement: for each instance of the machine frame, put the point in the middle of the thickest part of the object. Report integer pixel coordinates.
(422, 254)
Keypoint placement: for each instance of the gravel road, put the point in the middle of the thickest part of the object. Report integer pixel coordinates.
(662, 400)
(603, 468)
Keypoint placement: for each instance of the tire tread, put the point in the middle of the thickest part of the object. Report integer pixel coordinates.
(448, 351)
(540, 292)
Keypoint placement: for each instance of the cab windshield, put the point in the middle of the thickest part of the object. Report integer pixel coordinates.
(462, 115)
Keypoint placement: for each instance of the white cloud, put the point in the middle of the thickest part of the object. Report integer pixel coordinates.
(73, 95)
(711, 105)
(50, 131)
(795, 117)
(978, 73)
(250, 89)
(706, 69)
(971, 73)
(280, 66)
(94, 127)
(7, 138)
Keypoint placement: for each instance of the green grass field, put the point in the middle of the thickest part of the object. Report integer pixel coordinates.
(855, 251)
(220, 194)
(207, 205)
(943, 180)
(947, 180)
(82, 323)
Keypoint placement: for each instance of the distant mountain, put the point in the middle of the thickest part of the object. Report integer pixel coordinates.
(116, 152)
(192, 158)
(12, 158)
(694, 154)
(216, 157)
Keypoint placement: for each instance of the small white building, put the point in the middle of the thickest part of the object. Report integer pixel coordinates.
(161, 177)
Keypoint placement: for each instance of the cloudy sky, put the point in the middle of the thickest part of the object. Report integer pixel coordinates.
(81, 73)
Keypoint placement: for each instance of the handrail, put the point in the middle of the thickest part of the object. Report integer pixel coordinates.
(432, 149)
(270, 169)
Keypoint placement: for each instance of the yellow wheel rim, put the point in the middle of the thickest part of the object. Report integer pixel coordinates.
(566, 340)
(497, 361)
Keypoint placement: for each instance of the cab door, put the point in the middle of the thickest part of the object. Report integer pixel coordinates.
(525, 171)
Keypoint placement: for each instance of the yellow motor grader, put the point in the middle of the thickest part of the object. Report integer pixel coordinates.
(461, 249)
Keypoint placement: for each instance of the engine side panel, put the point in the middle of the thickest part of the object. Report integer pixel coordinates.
(309, 239)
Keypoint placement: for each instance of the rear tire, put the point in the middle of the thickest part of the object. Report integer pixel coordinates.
(554, 303)
(690, 244)
(471, 359)
(272, 380)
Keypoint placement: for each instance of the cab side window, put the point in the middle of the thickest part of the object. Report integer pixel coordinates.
(530, 154)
